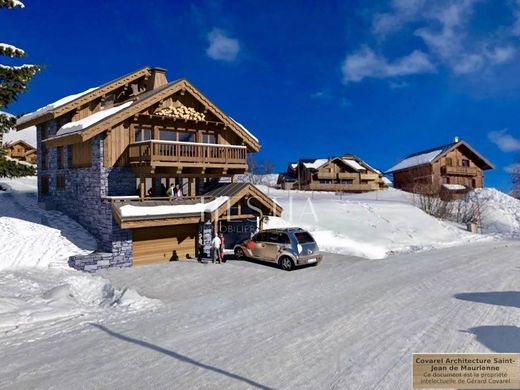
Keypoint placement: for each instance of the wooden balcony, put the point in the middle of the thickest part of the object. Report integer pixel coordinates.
(369, 176)
(348, 175)
(462, 171)
(336, 187)
(190, 155)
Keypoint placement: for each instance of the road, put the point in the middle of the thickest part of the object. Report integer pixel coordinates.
(348, 323)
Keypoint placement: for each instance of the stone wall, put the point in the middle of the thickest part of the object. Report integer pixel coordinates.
(81, 200)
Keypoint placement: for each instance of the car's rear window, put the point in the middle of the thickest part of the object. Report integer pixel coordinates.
(303, 237)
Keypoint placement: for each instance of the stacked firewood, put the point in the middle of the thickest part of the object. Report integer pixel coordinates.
(181, 111)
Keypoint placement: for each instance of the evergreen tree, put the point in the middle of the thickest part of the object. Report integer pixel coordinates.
(13, 81)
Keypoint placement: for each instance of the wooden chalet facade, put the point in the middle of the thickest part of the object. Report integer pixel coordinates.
(122, 144)
(454, 168)
(347, 173)
(21, 150)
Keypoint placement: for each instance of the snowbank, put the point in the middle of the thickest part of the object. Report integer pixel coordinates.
(30, 297)
(372, 225)
(500, 212)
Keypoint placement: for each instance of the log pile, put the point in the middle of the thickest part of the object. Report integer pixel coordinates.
(182, 112)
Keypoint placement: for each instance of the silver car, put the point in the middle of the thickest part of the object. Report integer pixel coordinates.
(289, 247)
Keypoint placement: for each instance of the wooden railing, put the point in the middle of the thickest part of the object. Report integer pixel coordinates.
(314, 186)
(465, 171)
(154, 152)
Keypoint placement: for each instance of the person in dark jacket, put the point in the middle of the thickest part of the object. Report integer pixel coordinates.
(200, 248)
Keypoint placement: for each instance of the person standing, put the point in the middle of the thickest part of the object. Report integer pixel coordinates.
(221, 249)
(178, 191)
(171, 191)
(215, 248)
(200, 248)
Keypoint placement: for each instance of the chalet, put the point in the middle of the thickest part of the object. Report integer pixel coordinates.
(287, 180)
(347, 173)
(21, 145)
(107, 155)
(455, 168)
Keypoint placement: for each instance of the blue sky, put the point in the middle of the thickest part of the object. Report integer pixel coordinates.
(310, 79)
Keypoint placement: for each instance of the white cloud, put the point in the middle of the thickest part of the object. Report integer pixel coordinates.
(444, 26)
(222, 47)
(505, 141)
(365, 63)
(513, 168)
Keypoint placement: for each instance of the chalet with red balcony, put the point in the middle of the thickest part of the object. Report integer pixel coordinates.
(452, 169)
(108, 155)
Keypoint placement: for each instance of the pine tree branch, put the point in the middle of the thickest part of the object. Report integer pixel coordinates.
(11, 4)
(11, 51)
(13, 81)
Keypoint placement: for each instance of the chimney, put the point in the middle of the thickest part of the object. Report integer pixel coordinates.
(158, 78)
(456, 139)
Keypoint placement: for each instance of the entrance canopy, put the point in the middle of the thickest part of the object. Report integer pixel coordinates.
(226, 202)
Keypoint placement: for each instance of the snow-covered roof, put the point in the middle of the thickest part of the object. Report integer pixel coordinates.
(418, 159)
(294, 165)
(6, 114)
(454, 187)
(50, 107)
(316, 163)
(243, 128)
(174, 209)
(27, 135)
(90, 120)
(354, 164)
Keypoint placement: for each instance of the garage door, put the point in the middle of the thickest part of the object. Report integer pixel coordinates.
(162, 244)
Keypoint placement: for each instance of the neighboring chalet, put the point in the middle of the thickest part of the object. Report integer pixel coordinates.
(288, 180)
(347, 173)
(21, 145)
(107, 155)
(454, 168)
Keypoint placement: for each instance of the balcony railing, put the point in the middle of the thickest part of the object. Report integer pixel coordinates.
(464, 171)
(314, 186)
(155, 152)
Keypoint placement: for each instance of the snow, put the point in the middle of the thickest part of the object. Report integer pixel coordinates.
(454, 187)
(351, 323)
(416, 160)
(7, 47)
(294, 166)
(316, 163)
(371, 225)
(345, 324)
(354, 165)
(36, 284)
(17, 4)
(90, 120)
(21, 162)
(27, 135)
(179, 209)
(246, 130)
(500, 212)
(50, 107)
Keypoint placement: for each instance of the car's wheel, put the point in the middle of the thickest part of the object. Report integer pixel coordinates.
(239, 253)
(286, 263)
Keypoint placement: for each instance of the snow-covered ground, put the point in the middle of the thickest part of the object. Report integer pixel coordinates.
(36, 284)
(347, 323)
(372, 225)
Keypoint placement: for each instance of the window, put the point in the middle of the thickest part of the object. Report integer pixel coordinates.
(279, 238)
(44, 189)
(261, 237)
(186, 136)
(465, 163)
(209, 138)
(141, 134)
(168, 135)
(60, 182)
(449, 161)
(348, 181)
(60, 157)
(303, 238)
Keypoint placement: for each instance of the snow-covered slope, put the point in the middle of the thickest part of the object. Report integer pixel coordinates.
(501, 212)
(372, 225)
(36, 284)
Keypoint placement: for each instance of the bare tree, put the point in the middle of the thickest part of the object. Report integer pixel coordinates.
(515, 175)
(268, 167)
